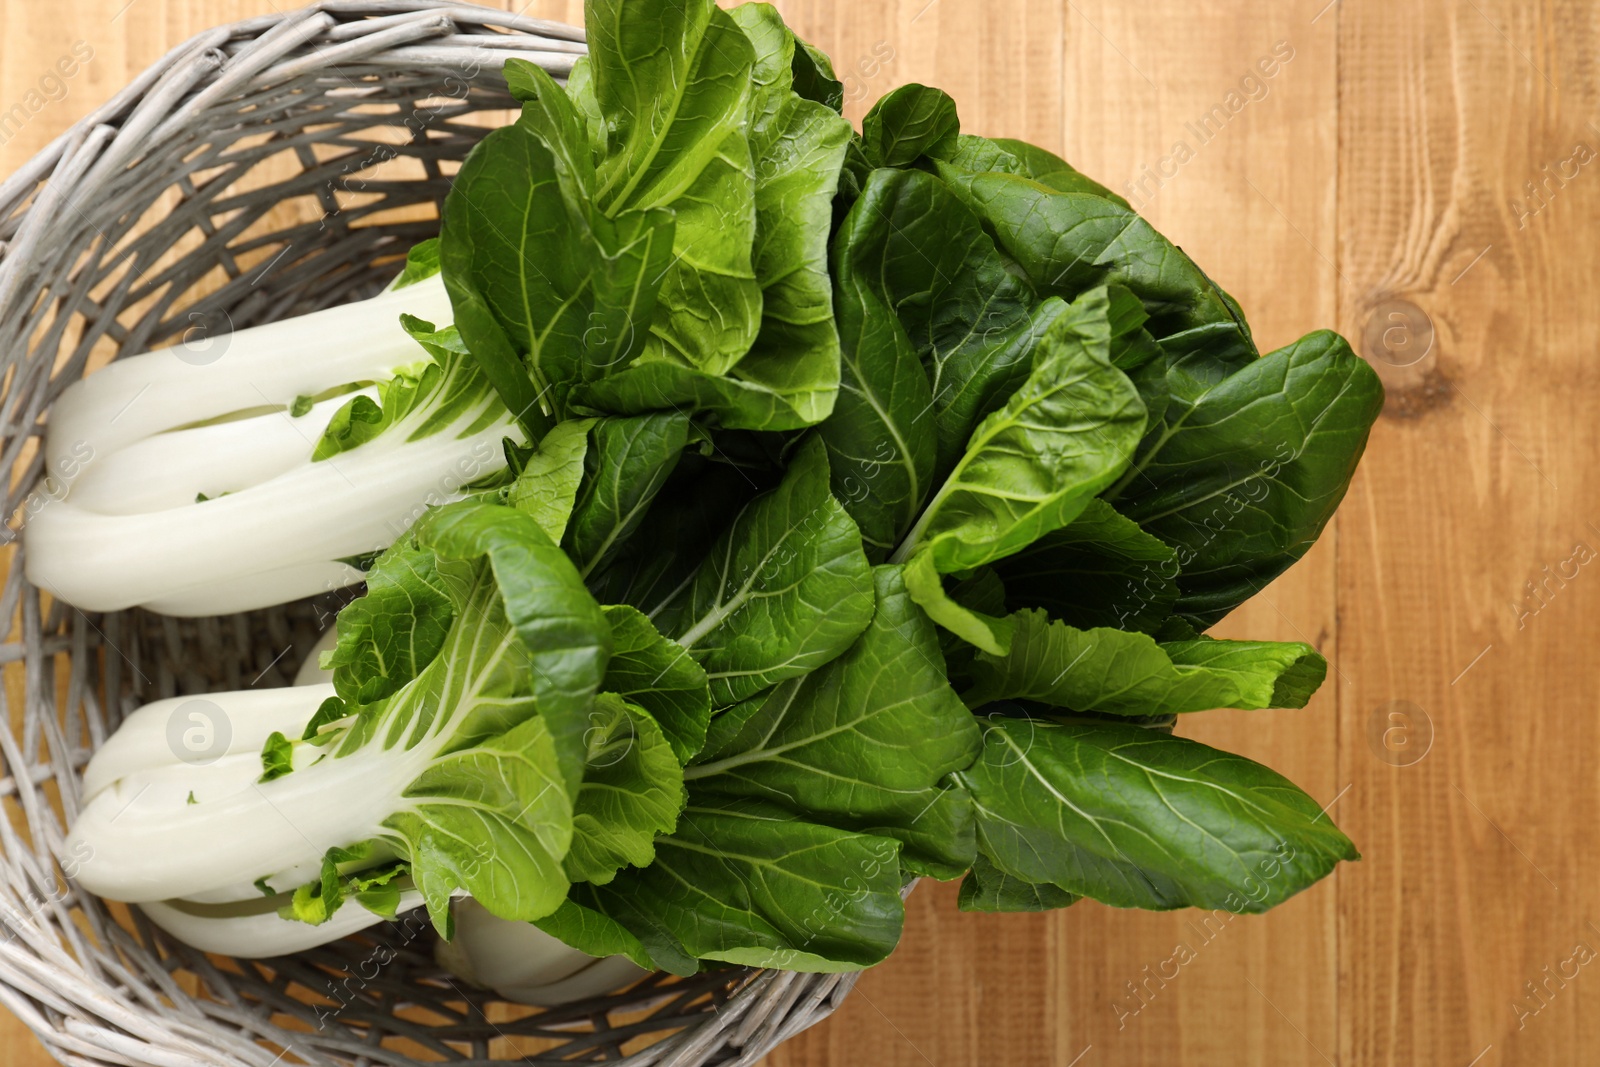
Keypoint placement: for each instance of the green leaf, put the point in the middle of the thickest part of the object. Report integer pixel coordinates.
(798, 148)
(1136, 818)
(988, 888)
(1242, 480)
(422, 263)
(782, 592)
(696, 506)
(980, 155)
(446, 392)
(912, 250)
(1070, 242)
(329, 711)
(911, 122)
(564, 636)
(494, 819)
(880, 438)
(1051, 170)
(745, 883)
(1118, 673)
(540, 323)
(590, 930)
(659, 676)
(863, 743)
(397, 628)
(632, 790)
(1101, 569)
(1032, 466)
(814, 78)
(315, 902)
(672, 83)
(653, 386)
(277, 757)
(625, 466)
(547, 486)
(926, 587)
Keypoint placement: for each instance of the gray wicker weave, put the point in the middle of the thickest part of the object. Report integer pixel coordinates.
(261, 170)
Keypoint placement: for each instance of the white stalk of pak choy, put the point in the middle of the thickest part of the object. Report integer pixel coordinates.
(469, 745)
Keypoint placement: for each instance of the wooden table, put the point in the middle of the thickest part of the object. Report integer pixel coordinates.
(1375, 181)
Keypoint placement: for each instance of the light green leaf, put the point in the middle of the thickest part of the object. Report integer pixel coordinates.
(445, 392)
(632, 790)
(1032, 466)
(493, 819)
(658, 675)
(547, 486)
(673, 82)
(564, 636)
(387, 636)
(926, 587)
(1119, 673)
(422, 263)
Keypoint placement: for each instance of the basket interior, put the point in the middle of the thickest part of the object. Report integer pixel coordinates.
(290, 195)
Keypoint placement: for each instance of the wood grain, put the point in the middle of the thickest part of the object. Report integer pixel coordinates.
(1384, 158)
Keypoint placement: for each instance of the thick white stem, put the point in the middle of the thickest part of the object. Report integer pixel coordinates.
(262, 366)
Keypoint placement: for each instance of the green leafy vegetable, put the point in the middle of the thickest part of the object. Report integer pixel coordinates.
(782, 592)
(1135, 818)
(1120, 673)
(863, 743)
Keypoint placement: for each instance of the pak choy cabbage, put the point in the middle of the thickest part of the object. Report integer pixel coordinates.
(875, 492)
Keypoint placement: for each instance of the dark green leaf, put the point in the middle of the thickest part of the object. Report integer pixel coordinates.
(742, 882)
(782, 592)
(911, 122)
(988, 888)
(1101, 569)
(1136, 818)
(863, 743)
(628, 461)
(1051, 170)
(1242, 481)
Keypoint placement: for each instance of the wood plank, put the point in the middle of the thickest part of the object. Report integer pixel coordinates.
(1481, 864)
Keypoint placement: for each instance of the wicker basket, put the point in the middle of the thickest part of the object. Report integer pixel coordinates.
(261, 170)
